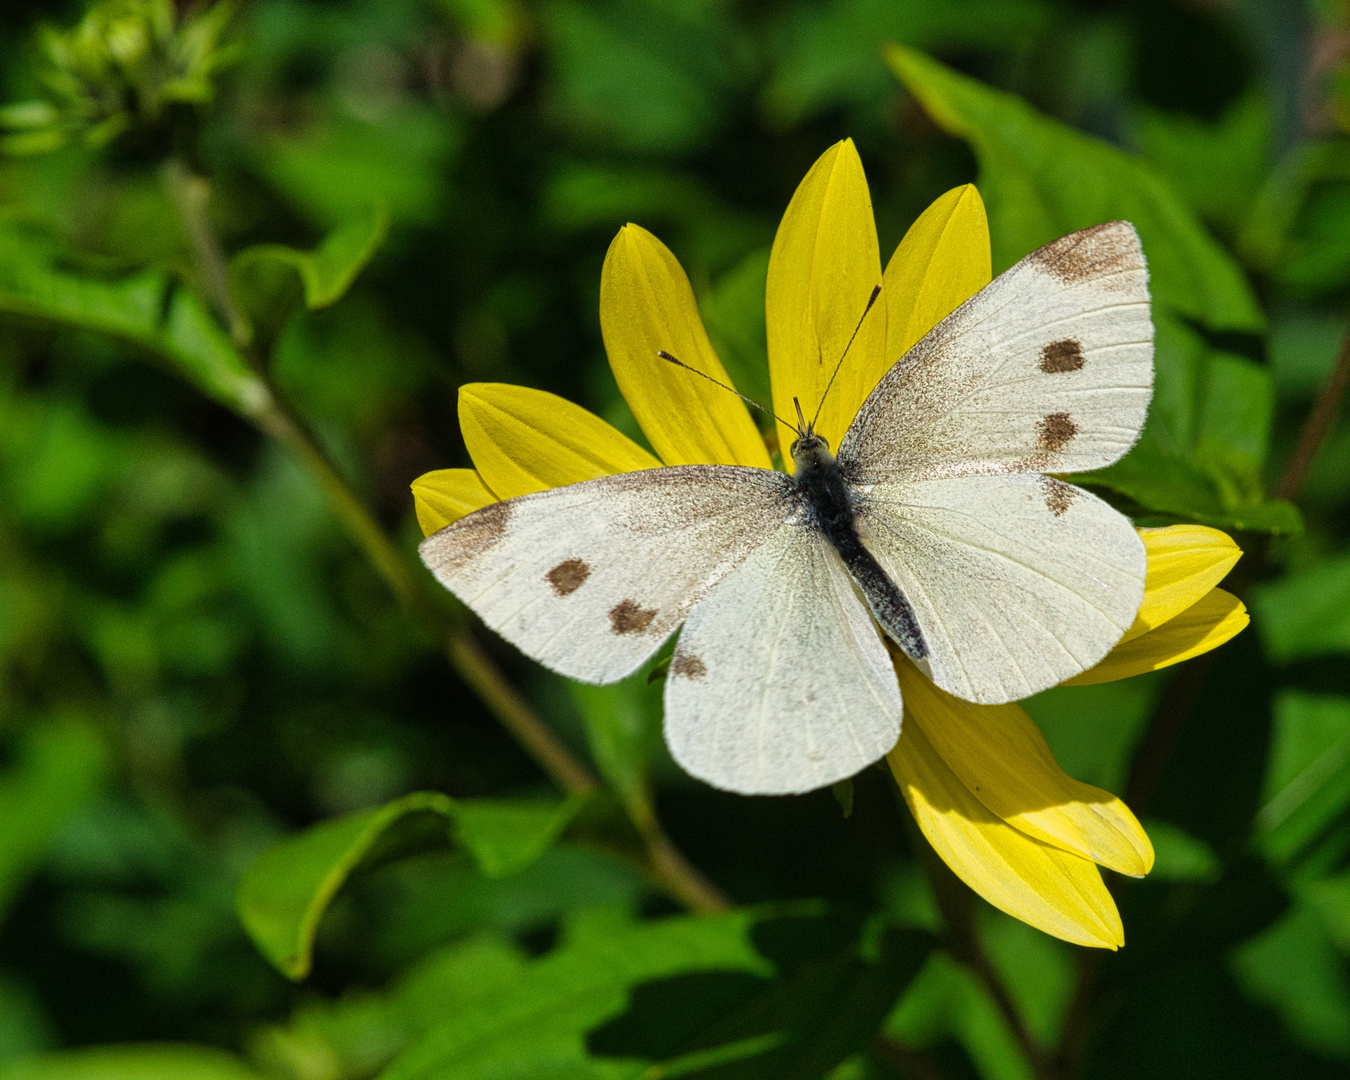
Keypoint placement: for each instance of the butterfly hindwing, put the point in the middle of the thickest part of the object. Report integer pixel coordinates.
(1017, 582)
(591, 578)
(779, 682)
(1047, 369)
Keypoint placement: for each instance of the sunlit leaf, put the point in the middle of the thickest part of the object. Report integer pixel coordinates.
(327, 272)
(146, 1061)
(284, 894)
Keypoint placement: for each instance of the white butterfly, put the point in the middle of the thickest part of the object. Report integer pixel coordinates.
(936, 522)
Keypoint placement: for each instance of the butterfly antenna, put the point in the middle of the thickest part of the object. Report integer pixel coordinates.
(731, 389)
(870, 301)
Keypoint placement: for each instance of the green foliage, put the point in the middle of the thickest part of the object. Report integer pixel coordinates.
(258, 273)
(210, 697)
(1203, 452)
(127, 61)
(285, 893)
(147, 1062)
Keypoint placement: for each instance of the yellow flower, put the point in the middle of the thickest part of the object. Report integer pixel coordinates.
(980, 780)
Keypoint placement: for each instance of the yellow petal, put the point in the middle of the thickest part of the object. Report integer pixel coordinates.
(1184, 563)
(646, 305)
(446, 495)
(942, 261)
(998, 753)
(824, 265)
(1205, 625)
(1035, 882)
(524, 440)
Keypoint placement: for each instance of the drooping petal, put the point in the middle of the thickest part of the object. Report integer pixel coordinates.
(646, 305)
(998, 753)
(1045, 886)
(446, 495)
(943, 260)
(1184, 563)
(824, 265)
(524, 440)
(1205, 625)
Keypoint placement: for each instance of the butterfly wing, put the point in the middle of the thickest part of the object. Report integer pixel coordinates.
(591, 578)
(1049, 368)
(1017, 580)
(780, 682)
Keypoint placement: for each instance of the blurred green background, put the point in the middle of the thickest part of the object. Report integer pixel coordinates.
(196, 660)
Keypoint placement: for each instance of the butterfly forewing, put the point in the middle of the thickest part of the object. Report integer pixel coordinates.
(1049, 368)
(779, 682)
(590, 579)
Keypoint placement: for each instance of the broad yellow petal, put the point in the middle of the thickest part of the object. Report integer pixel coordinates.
(524, 440)
(646, 305)
(1035, 882)
(942, 261)
(998, 753)
(446, 495)
(1184, 563)
(823, 268)
(1205, 625)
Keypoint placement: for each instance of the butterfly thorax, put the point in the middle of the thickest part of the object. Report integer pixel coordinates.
(822, 490)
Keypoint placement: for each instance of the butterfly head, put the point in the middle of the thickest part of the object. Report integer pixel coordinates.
(808, 448)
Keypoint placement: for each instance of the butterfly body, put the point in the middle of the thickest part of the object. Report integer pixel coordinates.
(828, 499)
(943, 509)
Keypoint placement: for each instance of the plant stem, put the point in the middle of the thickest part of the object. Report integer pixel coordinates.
(667, 865)
(1318, 424)
(954, 901)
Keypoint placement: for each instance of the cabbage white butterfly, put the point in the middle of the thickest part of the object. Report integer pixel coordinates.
(936, 521)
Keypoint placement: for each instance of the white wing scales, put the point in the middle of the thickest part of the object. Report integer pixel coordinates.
(1018, 582)
(591, 578)
(780, 682)
(1049, 368)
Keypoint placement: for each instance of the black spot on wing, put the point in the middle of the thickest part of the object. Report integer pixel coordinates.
(1059, 496)
(628, 617)
(687, 666)
(567, 577)
(1061, 356)
(1056, 430)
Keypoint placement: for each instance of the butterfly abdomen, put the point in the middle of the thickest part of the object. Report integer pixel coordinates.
(825, 496)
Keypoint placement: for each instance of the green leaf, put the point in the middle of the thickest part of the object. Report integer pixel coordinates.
(1179, 856)
(623, 726)
(1202, 452)
(284, 894)
(733, 311)
(327, 272)
(1306, 613)
(147, 310)
(59, 766)
(830, 54)
(148, 1061)
(1293, 968)
(505, 836)
(1307, 784)
(1041, 179)
(948, 1000)
(1217, 167)
(680, 54)
(537, 1026)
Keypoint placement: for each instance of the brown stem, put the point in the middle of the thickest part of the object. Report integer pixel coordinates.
(669, 868)
(905, 1059)
(190, 193)
(672, 871)
(955, 902)
(1318, 424)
